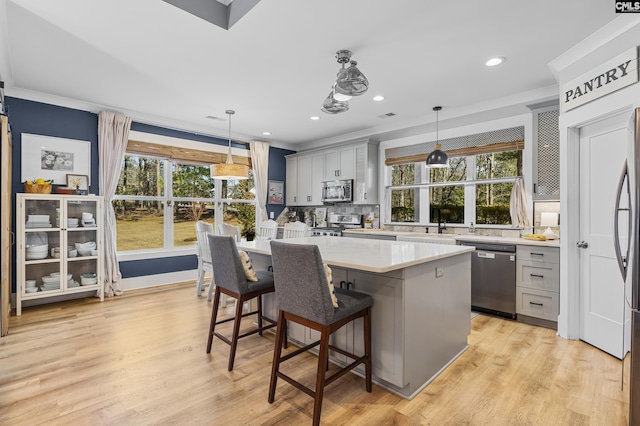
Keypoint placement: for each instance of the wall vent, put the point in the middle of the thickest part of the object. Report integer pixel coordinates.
(387, 115)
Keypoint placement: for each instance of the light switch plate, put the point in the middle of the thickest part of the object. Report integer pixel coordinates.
(439, 271)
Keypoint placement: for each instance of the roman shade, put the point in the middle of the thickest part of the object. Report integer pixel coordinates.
(480, 143)
(184, 155)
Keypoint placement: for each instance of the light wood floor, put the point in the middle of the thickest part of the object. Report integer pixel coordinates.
(139, 359)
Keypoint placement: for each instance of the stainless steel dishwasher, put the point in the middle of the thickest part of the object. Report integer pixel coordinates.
(493, 278)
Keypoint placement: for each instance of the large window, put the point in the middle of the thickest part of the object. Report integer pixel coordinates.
(158, 202)
(474, 188)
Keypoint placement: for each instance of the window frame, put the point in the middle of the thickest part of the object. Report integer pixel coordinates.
(169, 202)
(424, 198)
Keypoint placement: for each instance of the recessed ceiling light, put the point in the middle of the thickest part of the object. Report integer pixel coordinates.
(266, 133)
(494, 61)
(315, 118)
(378, 98)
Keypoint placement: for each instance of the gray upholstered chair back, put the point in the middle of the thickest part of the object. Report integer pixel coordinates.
(300, 282)
(227, 266)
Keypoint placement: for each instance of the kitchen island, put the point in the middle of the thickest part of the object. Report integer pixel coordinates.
(421, 304)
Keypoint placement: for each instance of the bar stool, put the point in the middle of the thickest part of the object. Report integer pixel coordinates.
(303, 296)
(231, 279)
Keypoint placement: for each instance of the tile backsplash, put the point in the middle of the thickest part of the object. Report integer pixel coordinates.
(301, 213)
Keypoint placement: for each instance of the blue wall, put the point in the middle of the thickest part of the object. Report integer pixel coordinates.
(50, 120)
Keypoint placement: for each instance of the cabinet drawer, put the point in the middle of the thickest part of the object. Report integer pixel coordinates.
(537, 303)
(538, 254)
(542, 277)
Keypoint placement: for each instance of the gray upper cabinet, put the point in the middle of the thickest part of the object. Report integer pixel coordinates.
(306, 171)
(546, 152)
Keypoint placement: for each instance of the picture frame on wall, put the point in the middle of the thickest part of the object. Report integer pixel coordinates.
(52, 158)
(78, 182)
(276, 192)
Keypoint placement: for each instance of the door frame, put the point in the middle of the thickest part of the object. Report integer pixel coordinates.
(570, 123)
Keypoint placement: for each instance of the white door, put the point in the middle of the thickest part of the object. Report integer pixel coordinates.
(603, 152)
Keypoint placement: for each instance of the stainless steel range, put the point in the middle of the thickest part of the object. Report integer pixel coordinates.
(337, 223)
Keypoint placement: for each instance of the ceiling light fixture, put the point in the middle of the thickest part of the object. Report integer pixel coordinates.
(333, 106)
(494, 61)
(437, 157)
(314, 118)
(378, 98)
(229, 170)
(349, 82)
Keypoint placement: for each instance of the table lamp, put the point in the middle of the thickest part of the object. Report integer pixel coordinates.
(549, 219)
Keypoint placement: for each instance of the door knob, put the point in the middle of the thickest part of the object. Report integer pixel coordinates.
(582, 244)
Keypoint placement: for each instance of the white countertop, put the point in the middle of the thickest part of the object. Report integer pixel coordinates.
(366, 254)
(457, 237)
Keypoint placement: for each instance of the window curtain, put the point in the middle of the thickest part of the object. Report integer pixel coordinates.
(518, 207)
(113, 135)
(260, 166)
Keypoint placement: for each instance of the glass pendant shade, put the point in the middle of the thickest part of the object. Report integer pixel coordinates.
(351, 81)
(333, 106)
(437, 157)
(229, 170)
(339, 96)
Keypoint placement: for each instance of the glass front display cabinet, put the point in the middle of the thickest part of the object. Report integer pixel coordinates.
(59, 246)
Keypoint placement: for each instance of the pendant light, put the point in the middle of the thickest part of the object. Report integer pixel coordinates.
(437, 157)
(229, 170)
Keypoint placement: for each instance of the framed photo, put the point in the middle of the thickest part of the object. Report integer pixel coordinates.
(54, 158)
(78, 182)
(276, 192)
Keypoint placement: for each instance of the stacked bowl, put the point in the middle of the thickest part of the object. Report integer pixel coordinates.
(30, 286)
(88, 279)
(38, 251)
(50, 283)
(72, 222)
(84, 249)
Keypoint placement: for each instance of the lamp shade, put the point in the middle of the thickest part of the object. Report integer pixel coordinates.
(229, 171)
(351, 81)
(333, 106)
(437, 157)
(548, 219)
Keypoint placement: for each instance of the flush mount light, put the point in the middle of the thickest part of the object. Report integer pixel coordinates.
(378, 98)
(314, 118)
(494, 61)
(437, 157)
(229, 170)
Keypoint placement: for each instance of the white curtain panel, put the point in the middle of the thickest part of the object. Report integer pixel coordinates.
(518, 207)
(113, 135)
(260, 165)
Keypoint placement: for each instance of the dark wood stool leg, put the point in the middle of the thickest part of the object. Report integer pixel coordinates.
(260, 315)
(367, 348)
(323, 359)
(214, 315)
(277, 352)
(236, 331)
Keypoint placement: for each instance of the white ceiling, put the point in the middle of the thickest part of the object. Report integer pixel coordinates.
(164, 66)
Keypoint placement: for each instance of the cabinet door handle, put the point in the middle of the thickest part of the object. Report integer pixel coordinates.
(295, 198)
(537, 254)
(537, 276)
(349, 284)
(342, 283)
(365, 195)
(537, 304)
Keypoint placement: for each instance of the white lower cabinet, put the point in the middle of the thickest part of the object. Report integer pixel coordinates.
(59, 246)
(538, 284)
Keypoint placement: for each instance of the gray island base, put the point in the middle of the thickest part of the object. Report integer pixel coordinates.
(421, 305)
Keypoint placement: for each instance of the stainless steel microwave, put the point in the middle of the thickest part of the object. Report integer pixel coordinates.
(337, 191)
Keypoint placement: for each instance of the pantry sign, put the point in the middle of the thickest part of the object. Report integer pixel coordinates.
(613, 75)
